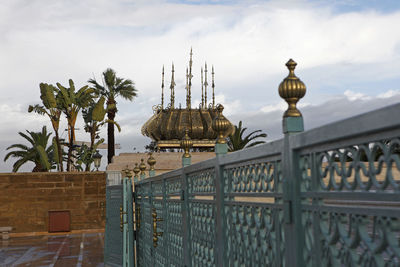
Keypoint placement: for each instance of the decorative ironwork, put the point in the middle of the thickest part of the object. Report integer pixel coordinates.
(202, 182)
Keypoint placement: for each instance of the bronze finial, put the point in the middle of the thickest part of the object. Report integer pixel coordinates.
(136, 170)
(172, 87)
(142, 167)
(151, 161)
(202, 89)
(162, 89)
(292, 89)
(213, 86)
(186, 144)
(127, 172)
(221, 125)
(205, 84)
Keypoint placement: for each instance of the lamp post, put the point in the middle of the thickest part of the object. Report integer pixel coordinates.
(97, 159)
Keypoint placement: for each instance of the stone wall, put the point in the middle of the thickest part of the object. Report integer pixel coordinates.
(26, 199)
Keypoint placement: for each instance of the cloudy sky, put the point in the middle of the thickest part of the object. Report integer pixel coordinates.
(348, 55)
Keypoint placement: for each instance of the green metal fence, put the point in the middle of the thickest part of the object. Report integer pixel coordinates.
(326, 197)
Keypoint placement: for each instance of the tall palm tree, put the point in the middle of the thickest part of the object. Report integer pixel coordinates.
(236, 141)
(94, 118)
(113, 87)
(50, 108)
(38, 153)
(70, 103)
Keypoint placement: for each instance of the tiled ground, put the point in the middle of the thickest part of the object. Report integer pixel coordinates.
(85, 249)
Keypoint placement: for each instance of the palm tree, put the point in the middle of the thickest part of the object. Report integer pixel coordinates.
(50, 108)
(113, 87)
(93, 117)
(38, 152)
(236, 141)
(70, 103)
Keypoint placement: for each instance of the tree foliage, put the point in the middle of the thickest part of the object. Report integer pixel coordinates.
(70, 102)
(112, 88)
(39, 152)
(50, 108)
(238, 141)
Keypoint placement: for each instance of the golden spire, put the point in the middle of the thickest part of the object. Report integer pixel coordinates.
(187, 89)
(213, 86)
(162, 89)
(186, 144)
(172, 88)
(202, 89)
(292, 89)
(190, 79)
(205, 85)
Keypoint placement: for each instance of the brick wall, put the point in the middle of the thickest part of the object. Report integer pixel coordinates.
(26, 199)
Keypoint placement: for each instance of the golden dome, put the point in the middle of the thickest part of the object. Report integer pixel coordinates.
(292, 89)
(167, 125)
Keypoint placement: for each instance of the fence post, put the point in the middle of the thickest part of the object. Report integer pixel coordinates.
(185, 220)
(292, 89)
(221, 126)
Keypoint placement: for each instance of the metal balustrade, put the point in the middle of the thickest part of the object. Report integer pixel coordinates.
(325, 197)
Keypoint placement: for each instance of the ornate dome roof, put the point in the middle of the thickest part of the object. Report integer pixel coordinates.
(167, 125)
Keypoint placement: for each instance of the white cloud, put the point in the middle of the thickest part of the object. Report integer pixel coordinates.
(353, 96)
(248, 42)
(389, 94)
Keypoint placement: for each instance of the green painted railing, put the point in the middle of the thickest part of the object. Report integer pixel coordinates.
(325, 197)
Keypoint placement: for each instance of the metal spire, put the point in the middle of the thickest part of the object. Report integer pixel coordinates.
(205, 84)
(202, 89)
(187, 89)
(172, 88)
(190, 79)
(162, 89)
(213, 86)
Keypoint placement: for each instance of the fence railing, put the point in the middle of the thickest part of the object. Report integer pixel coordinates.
(326, 197)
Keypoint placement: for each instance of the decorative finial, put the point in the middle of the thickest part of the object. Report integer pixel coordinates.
(213, 86)
(142, 168)
(292, 89)
(151, 161)
(136, 170)
(205, 84)
(162, 89)
(186, 144)
(127, 172)
(220, 125)
(172, 88)
(202, 89)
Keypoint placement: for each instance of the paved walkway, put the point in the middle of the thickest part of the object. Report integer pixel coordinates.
(84, 249)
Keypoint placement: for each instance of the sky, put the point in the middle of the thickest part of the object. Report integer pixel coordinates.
(347, 51)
